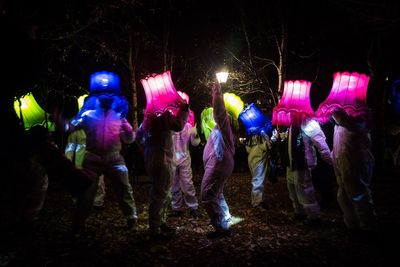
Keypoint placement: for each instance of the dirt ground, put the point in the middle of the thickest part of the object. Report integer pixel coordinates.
(261, 238)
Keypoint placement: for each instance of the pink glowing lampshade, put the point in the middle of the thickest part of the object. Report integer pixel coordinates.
(349, 92)
(295, 101)
(191, 118)
(160, 93)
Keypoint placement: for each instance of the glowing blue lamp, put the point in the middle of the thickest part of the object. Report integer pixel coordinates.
(254, 120)
(104, 82)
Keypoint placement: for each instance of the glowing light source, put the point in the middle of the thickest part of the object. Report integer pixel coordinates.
(349, 92)
(32, 113)
(191, 118)
(81, 100)
(104, 82)
(295, 101)
(161, 94)
(222, 76)
(233, 104)
(395, 98)
(254, 120)
(207, 122)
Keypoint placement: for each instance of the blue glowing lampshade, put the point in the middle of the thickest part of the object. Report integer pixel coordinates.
(395, 98)
(207, 122)
(254, 120)
(27, 107)
(104, 82)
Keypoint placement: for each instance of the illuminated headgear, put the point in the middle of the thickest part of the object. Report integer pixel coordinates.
(295, 103)
(254, 120)
(104, 82)
(348, 92)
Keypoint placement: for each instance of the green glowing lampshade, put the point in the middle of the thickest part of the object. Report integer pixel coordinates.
(233, 104)
(81, 99)
(32, 113)
(207, 122)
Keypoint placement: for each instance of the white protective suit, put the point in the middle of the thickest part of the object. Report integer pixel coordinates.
(302, 159)
(159, 158)
(257, 148)
(182, 182)
(218, 165)
(105, 132)
(353, 163)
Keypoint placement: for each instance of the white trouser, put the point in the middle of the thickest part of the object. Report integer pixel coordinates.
(258, 173)
(301, 192)
(113, 167)
(183, 188)
(354, 196)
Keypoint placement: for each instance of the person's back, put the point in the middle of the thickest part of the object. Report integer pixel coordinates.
(218, 166)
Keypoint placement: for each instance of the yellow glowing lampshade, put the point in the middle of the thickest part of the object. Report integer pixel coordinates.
(81, 99)
(32, 113)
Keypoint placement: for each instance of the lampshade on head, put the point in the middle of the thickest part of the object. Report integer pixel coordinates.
(348, 92)
(184, 96)
(295, 103)
(207, 122)
(191, 119)
(161, 94)
(254, 120)
(104, 82)
(233, 104)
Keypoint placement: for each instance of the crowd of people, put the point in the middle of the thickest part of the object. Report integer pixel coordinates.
(99, 131)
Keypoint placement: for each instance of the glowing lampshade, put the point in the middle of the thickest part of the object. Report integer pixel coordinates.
(207, 122)
(395, 98)
(222, 77)
(32, 113)
(295, 100)
(349, 92)
(160, 93)
(81, 100)
(254, 120)
(233, 104)
(191, 119)
(104, 82)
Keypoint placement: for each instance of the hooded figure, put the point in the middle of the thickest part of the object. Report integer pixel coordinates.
(159, 157)
(106, 130)
(353, 163)
(218, 166)
(182, 182)
(304, 135)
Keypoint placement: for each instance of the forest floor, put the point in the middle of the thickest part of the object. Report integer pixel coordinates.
(261, 238)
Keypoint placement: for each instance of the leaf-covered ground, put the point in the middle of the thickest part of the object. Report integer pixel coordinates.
(262, 238)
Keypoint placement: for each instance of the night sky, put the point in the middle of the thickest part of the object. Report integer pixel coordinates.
(323, 37)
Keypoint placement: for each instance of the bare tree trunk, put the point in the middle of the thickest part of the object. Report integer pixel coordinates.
(133, 55)
(282, 44)
(167, 32)
(377, 95)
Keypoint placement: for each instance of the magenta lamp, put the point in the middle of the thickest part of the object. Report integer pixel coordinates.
(349, 92)
(160, 93)
(191, 118)
(295, 101)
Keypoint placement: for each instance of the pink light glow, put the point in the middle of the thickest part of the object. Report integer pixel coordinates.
(160, 93)
(295, 100)
(191, 119)
(349, 92)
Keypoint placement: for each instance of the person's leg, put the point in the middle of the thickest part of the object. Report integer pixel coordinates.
(101, 193)
(306, 194)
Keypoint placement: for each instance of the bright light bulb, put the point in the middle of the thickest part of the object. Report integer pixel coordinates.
(222, 77)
